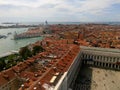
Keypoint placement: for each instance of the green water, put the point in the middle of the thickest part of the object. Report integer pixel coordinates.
(8, 44)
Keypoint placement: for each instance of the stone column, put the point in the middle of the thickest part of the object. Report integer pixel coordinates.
(112, 66)
(112, 60)
(92, 62)
(98, 63)
(115, 66)
(109, 59)
(105, 65)
(109, 65)
(87, 57)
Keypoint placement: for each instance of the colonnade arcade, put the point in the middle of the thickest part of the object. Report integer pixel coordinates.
(99, 59)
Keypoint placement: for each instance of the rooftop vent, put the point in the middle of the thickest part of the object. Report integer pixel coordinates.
(53, 79)
(22, 86)
(35, 88)
(36, 74)
(55, 69)
(27, 80)
(57, 73)
(39, 83)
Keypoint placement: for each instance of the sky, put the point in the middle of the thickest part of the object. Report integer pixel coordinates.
(59, 10)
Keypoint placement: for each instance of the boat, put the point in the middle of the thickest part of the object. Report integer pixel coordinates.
(3, 36)
(9, 33)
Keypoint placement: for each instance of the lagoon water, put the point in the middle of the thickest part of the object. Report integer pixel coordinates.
(8, 44)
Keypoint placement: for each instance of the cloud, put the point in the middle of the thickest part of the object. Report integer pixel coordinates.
(59, 9)
(47, 6)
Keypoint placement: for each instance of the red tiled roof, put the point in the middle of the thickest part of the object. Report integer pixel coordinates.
(65, 55)
(6, 76)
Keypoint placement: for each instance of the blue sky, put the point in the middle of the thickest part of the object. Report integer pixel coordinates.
(59, 10)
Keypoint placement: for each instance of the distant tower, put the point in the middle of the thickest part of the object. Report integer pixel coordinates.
(46, 22)
(47, 29)
(81, 34)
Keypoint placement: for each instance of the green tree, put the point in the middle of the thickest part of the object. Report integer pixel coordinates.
(2, 64)
(37, 49)
(25, 52)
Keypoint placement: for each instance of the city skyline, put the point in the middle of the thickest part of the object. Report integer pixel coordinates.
(61, 11)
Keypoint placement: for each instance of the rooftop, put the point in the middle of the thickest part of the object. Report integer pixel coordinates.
(45, 68)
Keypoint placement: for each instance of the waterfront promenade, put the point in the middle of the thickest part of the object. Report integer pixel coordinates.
(9, 53)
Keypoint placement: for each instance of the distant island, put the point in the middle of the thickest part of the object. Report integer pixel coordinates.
(9, 23)
(17, 26)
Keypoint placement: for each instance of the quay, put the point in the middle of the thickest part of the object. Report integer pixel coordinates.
(34, 32)
(8, 53)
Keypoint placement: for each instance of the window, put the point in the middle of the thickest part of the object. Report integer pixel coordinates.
(97, 57)
(118, 59)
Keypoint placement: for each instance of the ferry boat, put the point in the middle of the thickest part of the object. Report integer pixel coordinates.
(3, 36)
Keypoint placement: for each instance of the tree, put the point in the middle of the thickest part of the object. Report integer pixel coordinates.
(37, 49)
(2, 64)
(25, 52)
